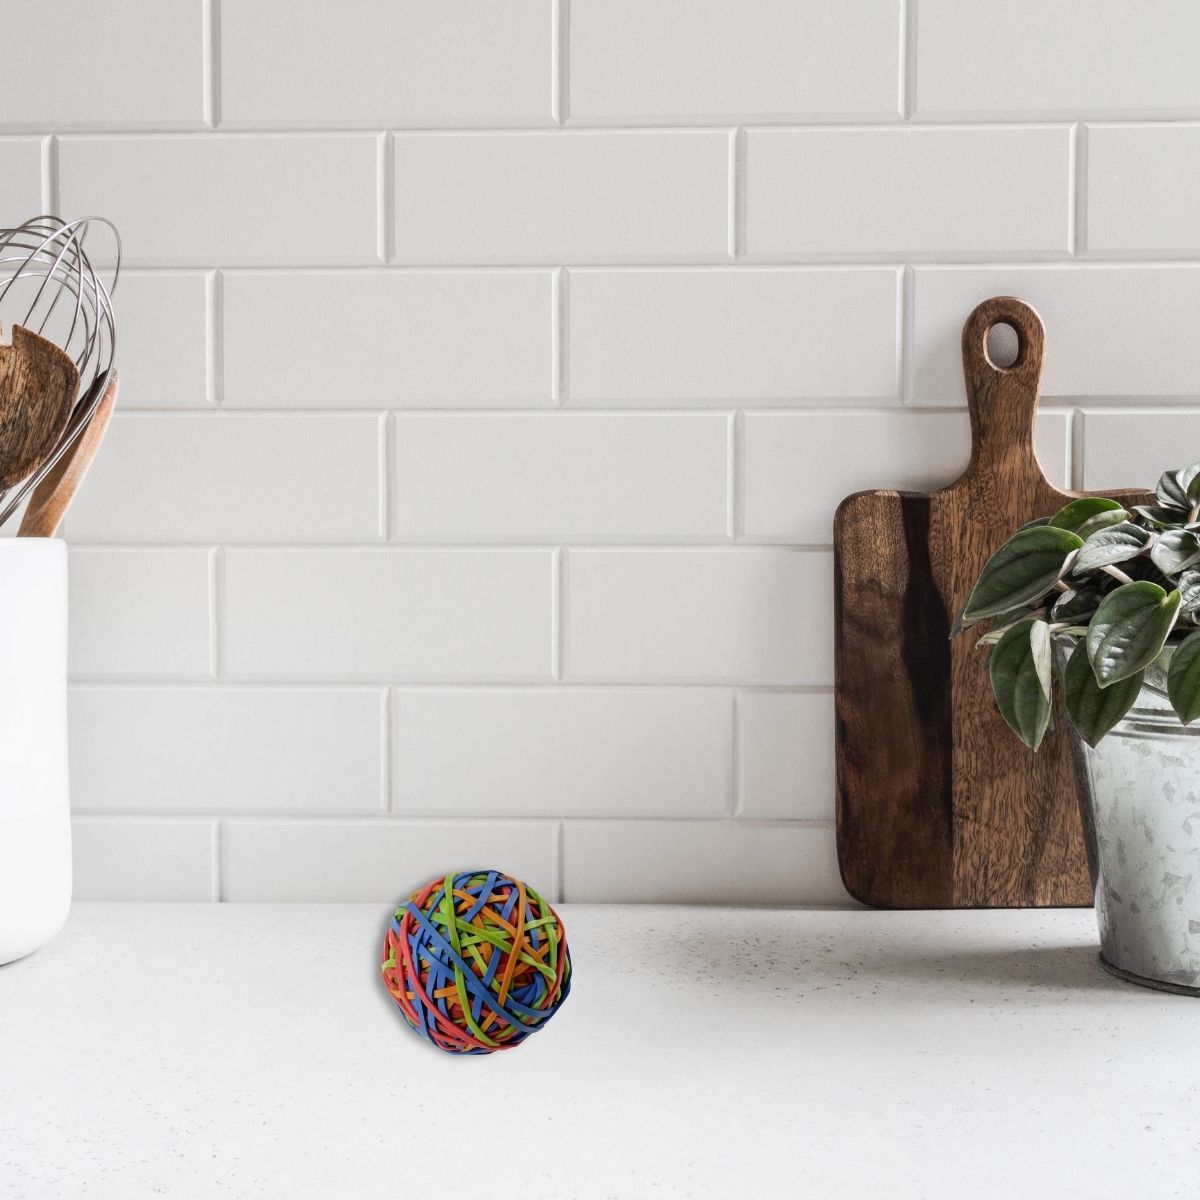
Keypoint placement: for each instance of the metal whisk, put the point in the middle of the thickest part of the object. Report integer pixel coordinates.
(48, 285)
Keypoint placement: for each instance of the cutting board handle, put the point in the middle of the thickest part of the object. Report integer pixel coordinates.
(1003, 400)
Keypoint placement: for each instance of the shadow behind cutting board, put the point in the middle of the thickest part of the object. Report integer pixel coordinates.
(939, 805)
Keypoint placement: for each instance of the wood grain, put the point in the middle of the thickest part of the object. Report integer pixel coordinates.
(52, 497)
(939, 805)
(38, 384)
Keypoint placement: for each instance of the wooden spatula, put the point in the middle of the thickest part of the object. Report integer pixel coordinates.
(939, 805)
(38, 384)
(50, 499)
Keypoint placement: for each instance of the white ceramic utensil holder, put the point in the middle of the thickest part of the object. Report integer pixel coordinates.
(35, 819)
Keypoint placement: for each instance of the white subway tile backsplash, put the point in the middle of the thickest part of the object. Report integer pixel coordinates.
(398, 62)
(700, 862)
(388, 614)
(233, 477)
(576, 752)
(785, 752)
(715, 335)
(551, 197)
(678, 59)
(20, 180)
(139, 612)
(748, 614)
(1072, 57)
(387, 338)
(142, 859)
(227, 750)
(799, 466)
(1143, 182)
(215, 200)
(1133, 448)
(1121, 330)
(889, 192)
(138, 63)
(162, 323)
(562, 475)
(380, 862)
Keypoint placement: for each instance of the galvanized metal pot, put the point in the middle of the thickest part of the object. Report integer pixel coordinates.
(1144, 833)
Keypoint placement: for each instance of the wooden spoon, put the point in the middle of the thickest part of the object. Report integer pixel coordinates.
(38, 385)
(54, 493)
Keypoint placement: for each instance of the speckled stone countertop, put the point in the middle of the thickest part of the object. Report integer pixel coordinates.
(250, 1051)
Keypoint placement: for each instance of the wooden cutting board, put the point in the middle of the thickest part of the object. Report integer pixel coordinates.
(939, 805)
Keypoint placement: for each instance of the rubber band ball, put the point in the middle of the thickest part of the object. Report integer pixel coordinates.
(477, 962)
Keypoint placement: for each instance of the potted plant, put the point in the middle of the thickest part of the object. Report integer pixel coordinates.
(1109, 601)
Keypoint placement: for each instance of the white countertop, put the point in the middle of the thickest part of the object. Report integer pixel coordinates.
(251, 1050)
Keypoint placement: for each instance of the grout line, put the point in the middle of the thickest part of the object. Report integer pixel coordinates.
(50, 183)
(214, 291)
(384, 207)
(1079, 182)
(386, 769)
(212, 62)
(560, 84)
(556, 606)
(133, 683)
(733, 200)
(1078, 420)
(560, 863)
(559, 284)
(908, 59)
(735, 759)
(734, 476)
(905, 335)
(219, 890)
(389, 498)
(216, 604)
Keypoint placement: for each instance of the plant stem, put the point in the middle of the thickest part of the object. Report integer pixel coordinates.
(1117, 573)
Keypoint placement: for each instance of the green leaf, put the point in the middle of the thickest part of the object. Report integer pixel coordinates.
(1104, 520)
(1129, 629)
(1118, 544)
(1183, 679)
(1077, 604)
(1160, 518)
(1082, 510)
(1095, 710)
(1019, 668)
(1189, 480)
(1175, 550)
(1188, 585)
(1170, 493)
(1020, 571)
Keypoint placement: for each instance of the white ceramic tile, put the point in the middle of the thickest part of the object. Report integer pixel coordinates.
(20, 180)
(822, 192)
(233, 477)
(700, 862)
(211, 200)
(562, 475)
(388, 614)
(1143, 185)
(386, 62)
(1072, 57)
(549, 197)
(680, 58)
(162, 332)
(142, 859)
(386, 338)
(800, 466)
(227, 749)
(139, 612)
(609, 752)
(763, 334)
(134, 63)
(1123, 330)
(1132, 449)
(381, 862)
(725, 614)
(786, 754)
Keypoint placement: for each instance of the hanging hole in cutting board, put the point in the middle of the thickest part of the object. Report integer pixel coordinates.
(1002, 346)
